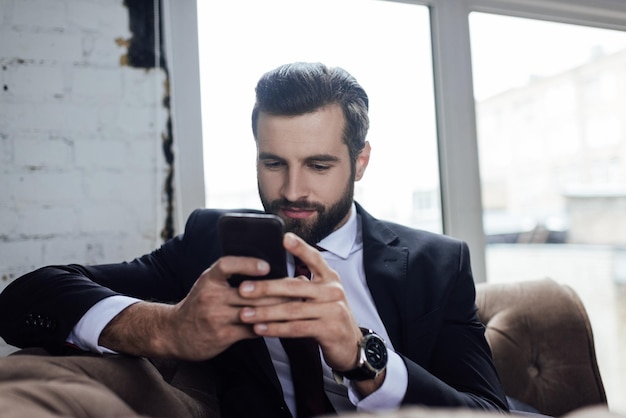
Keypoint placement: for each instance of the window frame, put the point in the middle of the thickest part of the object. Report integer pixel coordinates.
(461, 201)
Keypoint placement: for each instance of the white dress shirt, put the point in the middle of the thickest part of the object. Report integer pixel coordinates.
(344, 254)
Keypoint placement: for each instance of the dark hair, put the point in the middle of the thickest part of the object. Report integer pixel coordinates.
(299, 88)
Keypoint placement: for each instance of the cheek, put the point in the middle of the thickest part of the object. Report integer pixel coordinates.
(333, 188)
(268, 183)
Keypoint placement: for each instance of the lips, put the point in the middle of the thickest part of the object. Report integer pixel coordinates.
(297, 213)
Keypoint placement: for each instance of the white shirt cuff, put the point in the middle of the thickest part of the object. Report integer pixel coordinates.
(86, 332)
(390, 394)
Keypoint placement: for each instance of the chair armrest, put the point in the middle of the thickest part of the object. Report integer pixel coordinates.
(542, 344)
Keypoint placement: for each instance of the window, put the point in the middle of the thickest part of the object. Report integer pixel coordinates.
(552, 152)
(385, 45)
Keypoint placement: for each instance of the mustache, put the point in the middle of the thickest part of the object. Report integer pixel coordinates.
(300, 204)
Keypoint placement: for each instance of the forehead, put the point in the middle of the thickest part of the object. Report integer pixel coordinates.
(314, 132)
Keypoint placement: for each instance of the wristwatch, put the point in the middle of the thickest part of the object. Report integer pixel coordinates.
(371, 358)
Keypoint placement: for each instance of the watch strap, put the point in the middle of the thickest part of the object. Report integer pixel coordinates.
(363, 371)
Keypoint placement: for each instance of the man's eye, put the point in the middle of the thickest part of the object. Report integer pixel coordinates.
(320, 167)
(272, 164)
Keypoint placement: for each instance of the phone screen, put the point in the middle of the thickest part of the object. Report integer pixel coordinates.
(254, 235)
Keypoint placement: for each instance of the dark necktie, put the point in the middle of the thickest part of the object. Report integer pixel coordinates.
(306, 368)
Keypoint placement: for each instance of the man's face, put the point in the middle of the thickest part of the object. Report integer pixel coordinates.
(304, 172)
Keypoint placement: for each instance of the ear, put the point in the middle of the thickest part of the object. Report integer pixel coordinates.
(361, 161)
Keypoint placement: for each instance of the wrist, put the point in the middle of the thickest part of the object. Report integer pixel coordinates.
(371, 359)
(141, 329)
(163, 336)
(367, 387)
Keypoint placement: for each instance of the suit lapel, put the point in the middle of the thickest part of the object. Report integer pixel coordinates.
(386, 265)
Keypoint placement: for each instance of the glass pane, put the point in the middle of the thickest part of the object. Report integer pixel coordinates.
(550, 102)
(385, 45)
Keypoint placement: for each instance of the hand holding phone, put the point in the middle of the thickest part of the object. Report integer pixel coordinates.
(254, 235)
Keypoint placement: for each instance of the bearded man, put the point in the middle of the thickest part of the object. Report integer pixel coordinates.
(390, 310)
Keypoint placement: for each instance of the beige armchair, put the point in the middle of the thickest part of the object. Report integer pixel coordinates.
(543, 348)
(542, 344)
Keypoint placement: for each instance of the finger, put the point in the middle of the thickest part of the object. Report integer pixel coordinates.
(212, 289)
(310, 325)
(293, 329)
(310, 256)
(249, 266)
(251, 300)
(329, 301)
(290, 288)
(289, 311)
(226, 266)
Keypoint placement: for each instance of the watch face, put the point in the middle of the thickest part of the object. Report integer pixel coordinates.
(376, 353)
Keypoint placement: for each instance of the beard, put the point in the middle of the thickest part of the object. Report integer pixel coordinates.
(328, 218)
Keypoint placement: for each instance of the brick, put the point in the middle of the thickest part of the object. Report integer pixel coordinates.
(4, 6)
(96, 248)
(103, 85)
(127, 119)
(147, 230)
(114, 248)
(26, 254)
(120, 188)
(39, 14)
(28, 81)
(107, 186)
(139, 119)
(134, 246)
(41, 187)
(101, 217)
(40, 152)
(97, 49)
(142, 151)
(47, 222)
(84, 118)
(51, 117)
(9, 221)
(107, 18)
(57, 47)
(6, 151)
(144, 88)
(101, 153)
(64, 250)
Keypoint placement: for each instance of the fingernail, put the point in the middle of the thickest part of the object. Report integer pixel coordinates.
(247, 312)
(260, 328)
(247, 287)
(290, 240)
(263, 266)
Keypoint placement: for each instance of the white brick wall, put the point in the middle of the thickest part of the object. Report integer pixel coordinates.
(81, 167)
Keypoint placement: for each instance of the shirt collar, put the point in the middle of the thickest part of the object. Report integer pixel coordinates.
(341, 241)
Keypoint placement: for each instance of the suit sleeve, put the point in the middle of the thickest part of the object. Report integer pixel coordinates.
(41, 308)
(456, 367)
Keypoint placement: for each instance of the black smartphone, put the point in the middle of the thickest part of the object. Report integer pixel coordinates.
(254, 235)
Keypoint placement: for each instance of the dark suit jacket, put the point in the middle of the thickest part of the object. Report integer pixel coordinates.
(421, 284)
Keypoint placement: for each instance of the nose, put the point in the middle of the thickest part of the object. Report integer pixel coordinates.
(295, 186)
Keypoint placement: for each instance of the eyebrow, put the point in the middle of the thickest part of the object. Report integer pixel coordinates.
(317, 157)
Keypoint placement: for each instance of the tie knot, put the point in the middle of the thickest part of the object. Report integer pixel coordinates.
(301, 269)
